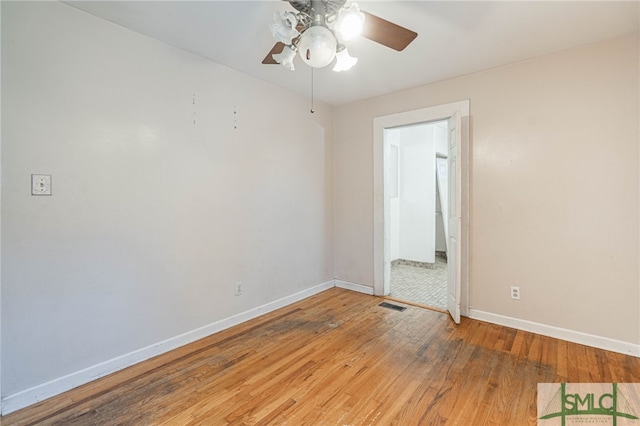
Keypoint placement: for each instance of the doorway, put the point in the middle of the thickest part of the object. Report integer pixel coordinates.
(417, 174)
(457, 116)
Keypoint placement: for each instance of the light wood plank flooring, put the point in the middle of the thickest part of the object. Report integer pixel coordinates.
(339, 359)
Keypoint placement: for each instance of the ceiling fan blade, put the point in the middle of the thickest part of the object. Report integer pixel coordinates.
(387, 33)
(277, 48)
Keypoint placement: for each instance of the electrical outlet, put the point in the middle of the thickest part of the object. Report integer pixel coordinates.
(40, 184)
(515, 293)
(238, 288)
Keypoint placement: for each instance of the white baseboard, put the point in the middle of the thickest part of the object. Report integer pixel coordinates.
(600, 342)
(354, 287)
(24, 398)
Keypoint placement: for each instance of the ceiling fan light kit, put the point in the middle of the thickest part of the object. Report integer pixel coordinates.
(286, 57)
(344, 61)
(318, 30)
(283, 27)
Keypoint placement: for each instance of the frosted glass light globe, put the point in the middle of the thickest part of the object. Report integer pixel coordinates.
(317, 46)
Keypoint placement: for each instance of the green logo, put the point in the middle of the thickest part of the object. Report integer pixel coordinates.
(592, 402)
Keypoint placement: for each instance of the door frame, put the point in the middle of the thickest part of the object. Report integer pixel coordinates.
(381, 219)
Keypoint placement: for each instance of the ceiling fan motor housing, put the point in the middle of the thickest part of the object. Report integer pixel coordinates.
(318, 7)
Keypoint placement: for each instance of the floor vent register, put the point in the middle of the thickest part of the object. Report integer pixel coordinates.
(392, 306)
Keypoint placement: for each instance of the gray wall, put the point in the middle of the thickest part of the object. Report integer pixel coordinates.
(172, 181)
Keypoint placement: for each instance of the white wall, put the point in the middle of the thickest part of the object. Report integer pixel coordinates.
(394, 195)
(172, 180)
(417, 193)
(414, 233)
(441, 147)
(554, 187)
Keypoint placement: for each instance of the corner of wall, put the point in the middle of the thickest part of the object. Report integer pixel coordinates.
(22, 399)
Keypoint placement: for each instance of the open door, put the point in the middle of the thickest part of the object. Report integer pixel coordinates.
(457, 114)
(454, 221)
(442, 180)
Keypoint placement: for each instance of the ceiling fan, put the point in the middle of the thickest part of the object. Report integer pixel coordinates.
(317, 33)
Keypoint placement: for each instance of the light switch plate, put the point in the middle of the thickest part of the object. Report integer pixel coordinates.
(40, 184)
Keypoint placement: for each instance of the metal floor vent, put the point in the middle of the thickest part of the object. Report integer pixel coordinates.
(392, 306)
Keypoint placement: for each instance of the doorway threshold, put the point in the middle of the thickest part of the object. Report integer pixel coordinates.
(419, 305)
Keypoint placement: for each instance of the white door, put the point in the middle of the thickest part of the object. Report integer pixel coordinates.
(454, 220)
(442, 178)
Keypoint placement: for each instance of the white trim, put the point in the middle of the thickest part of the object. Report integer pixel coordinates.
(381, 256)
(24, 398)
(0, 222)
(360, 288)
(600, 342)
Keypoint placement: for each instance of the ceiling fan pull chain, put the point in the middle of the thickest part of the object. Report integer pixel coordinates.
(312, 110)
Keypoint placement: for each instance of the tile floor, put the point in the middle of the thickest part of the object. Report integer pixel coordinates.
(421, 285)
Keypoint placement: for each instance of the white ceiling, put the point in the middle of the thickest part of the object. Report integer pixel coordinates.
(454, 37)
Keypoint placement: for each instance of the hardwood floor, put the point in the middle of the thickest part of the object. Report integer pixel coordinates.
(339, 359)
